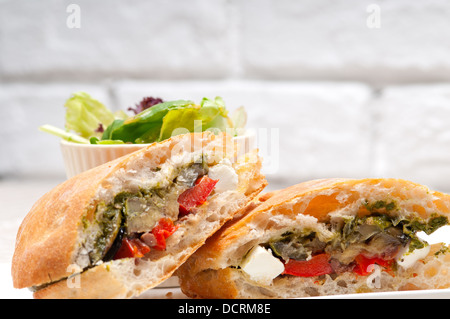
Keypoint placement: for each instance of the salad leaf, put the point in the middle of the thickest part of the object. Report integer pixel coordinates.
(84, 115)
(239, 119)
(193, 119)
(95, 140)
(71, 137)
(178, 122)
(167, 119)
(108, 132)
(217, 102)
(145, 103)
(234, 125)
(144, 127)
(89, 121)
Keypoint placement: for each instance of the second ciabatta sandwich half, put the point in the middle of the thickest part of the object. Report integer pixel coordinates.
(326, 237)
(124, 227)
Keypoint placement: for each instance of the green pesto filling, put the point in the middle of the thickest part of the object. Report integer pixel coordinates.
(376, 233)
(109, 226)
(139, 212)
(428, 228)
(380, 205)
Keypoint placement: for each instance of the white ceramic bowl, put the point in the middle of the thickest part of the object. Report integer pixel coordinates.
(82, 157)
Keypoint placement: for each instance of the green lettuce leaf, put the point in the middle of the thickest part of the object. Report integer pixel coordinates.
(71, 137)
(85, 114)
(171, 118)
(89, 121)
(239, 119)
(144, 127)
(193, 119)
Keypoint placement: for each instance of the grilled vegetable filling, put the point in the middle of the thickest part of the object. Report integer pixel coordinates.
(358, 243)
(135, 223)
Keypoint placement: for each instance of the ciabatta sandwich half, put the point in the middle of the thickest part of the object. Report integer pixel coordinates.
(326, 237)
(124, 227)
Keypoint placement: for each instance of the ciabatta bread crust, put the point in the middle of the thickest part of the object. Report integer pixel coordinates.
(46, 239)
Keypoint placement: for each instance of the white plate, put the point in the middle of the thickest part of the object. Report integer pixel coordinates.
(412, 294)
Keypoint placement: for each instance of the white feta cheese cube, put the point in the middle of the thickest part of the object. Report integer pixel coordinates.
(228, 179)
(261, 265)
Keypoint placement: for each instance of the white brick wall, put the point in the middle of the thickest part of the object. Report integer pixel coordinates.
(156, 39)
(270, 39)
(330, 39)
(413, 133)
(347, 100)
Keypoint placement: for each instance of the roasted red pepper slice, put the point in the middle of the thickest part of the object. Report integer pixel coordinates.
(318, 265)
(362, 264)
(132, 248)
(196, 195)
(162, 231)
